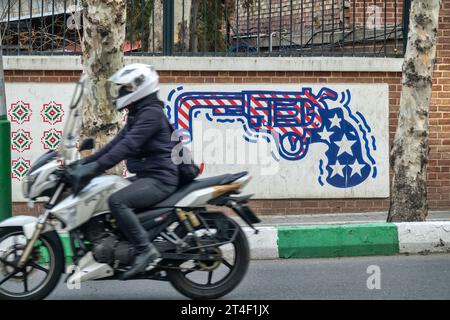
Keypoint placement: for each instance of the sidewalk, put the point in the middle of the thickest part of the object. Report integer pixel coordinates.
(336, 218)
(342, 235)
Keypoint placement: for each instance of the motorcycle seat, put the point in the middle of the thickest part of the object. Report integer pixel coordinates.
(199, 184)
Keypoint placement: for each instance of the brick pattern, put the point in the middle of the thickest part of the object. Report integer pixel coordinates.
(360, 11)
(325, 14)
(56, 76)
(303, 14)
(23, 209)
(439, 160)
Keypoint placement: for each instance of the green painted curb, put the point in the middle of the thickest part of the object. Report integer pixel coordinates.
(337, 240)
(321, 241)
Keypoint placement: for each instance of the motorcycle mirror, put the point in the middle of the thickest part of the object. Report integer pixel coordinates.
(87, 144)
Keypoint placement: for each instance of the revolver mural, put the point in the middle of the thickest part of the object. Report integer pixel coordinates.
(291, 120)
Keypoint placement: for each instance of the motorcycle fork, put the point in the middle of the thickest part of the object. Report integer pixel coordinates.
(40, 226)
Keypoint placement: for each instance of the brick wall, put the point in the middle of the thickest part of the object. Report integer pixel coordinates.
(325, 14)
(303, 14)
(439, 160)
(360, 11)
(261, 206)
(360, 26)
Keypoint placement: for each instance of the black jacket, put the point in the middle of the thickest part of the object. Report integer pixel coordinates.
(144, 142)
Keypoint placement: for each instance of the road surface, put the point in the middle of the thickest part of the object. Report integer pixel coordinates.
(400, 277)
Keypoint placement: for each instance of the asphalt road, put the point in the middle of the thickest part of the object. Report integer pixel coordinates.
(401, 277)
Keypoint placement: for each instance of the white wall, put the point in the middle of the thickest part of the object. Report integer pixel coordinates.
(273, 175)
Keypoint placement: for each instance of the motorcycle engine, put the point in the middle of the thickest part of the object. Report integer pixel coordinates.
(107, 247)
(112, 251)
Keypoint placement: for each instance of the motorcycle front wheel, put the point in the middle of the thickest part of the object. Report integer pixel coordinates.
(214, 279)
(42, 271)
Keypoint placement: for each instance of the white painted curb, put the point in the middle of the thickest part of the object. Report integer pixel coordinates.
(424, 237)
(264, 244)
(413, 237)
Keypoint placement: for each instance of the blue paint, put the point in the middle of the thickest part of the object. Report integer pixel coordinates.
(342, 98)
(320, 181)
(298, 119)
(168, 111)
(364, 121)
(321, 172)
(169, 98)
(248, 140)
(208, 117)
(226, 120)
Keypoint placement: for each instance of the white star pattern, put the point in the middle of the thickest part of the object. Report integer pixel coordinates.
(356, 168)
(325, 135)
(345, 145)
(337, 169)
(335, 121)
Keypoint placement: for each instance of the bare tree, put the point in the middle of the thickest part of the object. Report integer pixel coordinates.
(409, 154)
(155, 40)
(103, 37)
(193, 38)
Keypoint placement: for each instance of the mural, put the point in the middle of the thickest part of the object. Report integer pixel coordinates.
(292, 120)
(37, 114)
(322, 140)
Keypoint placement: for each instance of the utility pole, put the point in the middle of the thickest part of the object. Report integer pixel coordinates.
(5, 151)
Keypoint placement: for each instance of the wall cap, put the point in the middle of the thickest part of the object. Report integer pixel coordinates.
(342, 64)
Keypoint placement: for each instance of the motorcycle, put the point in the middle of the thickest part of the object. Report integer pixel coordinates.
(205, 254)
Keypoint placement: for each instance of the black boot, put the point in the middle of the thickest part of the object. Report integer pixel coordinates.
(141, 261)
(129, 224)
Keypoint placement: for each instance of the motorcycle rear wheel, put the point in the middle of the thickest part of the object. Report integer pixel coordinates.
(210, 290)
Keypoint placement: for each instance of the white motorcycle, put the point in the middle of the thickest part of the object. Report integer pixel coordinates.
(205, 254)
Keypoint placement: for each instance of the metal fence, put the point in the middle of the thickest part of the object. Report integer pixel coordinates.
(218, 27)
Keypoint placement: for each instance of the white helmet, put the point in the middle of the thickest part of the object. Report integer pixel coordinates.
(132, 83)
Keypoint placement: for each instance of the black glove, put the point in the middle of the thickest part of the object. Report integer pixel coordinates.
(81, 175)
(79, 162)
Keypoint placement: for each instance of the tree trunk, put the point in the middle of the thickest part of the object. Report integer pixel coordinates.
(409, 154)
(155, 41)
(103, 37)
(193, 37)
(181, 15)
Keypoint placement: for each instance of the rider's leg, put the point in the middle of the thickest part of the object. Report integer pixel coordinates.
(142, 193)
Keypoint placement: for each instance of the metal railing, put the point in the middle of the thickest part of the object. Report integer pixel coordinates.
(218, 27)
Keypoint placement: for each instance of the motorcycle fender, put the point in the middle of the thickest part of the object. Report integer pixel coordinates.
(27, 223)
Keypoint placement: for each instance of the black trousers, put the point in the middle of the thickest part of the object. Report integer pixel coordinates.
(141, 194)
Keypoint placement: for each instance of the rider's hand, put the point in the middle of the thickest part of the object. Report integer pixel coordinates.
(78, 162)
(81, 175)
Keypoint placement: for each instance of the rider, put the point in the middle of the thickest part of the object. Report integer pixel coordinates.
(145, 143)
